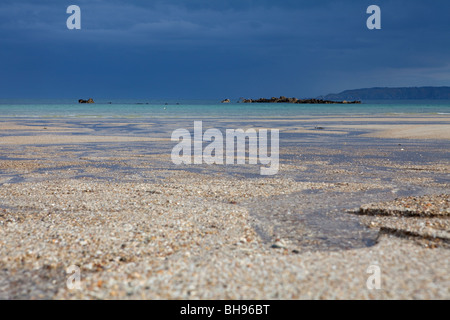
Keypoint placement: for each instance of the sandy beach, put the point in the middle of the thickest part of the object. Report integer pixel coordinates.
(233, 151)
(351, 194)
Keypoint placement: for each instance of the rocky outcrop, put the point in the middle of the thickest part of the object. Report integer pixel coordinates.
(225, 101)
(283, 99)
(86, 101)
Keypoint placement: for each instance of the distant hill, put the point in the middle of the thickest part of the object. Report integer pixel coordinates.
(413, 93)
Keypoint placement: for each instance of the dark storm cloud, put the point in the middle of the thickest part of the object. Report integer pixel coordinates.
(208, 48)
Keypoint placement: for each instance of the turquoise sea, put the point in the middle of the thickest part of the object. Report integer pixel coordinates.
(198, 109)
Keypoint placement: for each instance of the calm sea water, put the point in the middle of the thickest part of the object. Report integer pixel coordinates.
(210, 109)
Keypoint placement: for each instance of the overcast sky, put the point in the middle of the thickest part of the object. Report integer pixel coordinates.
(219, 48)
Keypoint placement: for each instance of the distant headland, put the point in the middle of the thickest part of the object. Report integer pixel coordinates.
(402, 93)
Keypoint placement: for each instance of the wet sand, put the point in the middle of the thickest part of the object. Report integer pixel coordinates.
(433, 132)
(108, 200)
(69, 139)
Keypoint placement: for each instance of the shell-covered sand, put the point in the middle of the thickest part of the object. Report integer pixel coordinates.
(139, 227)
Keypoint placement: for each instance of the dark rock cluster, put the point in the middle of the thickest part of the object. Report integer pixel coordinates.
(283, 99)
(86, 101)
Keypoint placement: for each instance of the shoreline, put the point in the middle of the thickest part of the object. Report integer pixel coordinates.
(60, 131)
